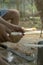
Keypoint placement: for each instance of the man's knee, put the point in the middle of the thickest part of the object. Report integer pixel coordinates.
(12, 15)
(15, 16)
(16, 12)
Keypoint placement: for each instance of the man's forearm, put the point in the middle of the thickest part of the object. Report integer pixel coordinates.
(2, 21)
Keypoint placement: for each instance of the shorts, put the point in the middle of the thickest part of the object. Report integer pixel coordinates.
(3, 12)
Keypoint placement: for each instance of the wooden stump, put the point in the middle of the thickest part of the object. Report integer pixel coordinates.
(40, 54)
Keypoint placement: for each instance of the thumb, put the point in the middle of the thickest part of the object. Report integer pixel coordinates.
(8, 31)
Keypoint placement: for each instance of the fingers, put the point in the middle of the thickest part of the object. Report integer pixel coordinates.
(3, 33)
(23, 30)
(6, 37)
(2, 39)
(8, 31)
(19, 29)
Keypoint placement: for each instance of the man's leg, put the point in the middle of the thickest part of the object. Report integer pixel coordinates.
(13, 16)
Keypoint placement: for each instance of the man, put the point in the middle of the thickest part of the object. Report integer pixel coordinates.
(6, 27)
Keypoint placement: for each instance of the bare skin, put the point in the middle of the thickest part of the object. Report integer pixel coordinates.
(6, 27)
(12, 15)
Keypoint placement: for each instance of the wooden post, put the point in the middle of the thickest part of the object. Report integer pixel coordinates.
(40, 54)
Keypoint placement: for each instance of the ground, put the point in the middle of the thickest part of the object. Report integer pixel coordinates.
(33, 38)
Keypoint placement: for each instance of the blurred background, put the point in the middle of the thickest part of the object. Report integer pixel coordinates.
(27, 11)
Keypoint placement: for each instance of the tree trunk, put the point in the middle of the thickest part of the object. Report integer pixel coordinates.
(39, 5)
(17, 4)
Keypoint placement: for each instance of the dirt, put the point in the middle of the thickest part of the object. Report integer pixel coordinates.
(34, 39)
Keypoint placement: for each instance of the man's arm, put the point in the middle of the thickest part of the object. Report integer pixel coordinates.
(12, 27)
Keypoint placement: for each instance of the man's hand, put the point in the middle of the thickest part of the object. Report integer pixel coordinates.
(16, 28)
(19, 29)
(12, 27)
(3, 33)
(4, 30)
